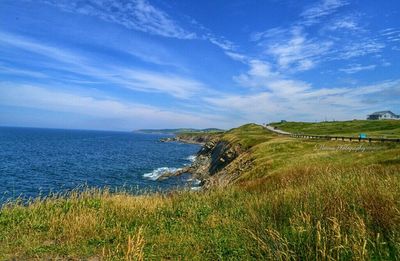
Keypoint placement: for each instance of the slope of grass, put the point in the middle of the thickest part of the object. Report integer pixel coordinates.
(300, 200)
(248, 135)
(382, 128)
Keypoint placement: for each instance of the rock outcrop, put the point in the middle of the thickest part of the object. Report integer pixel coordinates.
(210, 165)
(187, 138)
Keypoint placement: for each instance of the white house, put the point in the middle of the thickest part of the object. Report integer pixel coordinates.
(383, 115)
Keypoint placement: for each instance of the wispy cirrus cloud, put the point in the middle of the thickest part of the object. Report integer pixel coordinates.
(8, 40)
(347, 22)
(355, 68)
(342, 38)
(177, 86)
(261, 76)
(294, 50)
(4, 69)
(139, 15)
(392, 35)
(311, 103)
(220, 42)
(124, 76)
(358, 48)
(313, 14)
(132, 114)
(285, 51)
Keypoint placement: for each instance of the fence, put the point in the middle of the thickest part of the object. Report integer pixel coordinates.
(342, 138)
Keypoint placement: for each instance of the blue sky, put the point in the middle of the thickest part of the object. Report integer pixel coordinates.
(129, 64)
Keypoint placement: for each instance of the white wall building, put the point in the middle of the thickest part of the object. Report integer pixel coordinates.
(383, 115)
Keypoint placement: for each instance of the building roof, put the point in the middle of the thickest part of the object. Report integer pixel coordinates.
(383, 112)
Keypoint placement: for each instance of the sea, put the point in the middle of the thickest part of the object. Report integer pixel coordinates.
(40, 162)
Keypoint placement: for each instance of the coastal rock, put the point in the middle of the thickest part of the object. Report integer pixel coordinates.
(167, 139)
(190, 139)
(212, 159)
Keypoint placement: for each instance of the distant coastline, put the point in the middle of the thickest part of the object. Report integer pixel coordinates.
(177, 131)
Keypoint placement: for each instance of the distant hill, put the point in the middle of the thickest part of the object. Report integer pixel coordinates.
(177, 131)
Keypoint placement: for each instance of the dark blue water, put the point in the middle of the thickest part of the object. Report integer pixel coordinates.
(39, 161)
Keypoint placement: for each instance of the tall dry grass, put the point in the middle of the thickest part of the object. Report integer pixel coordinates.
(329, 213)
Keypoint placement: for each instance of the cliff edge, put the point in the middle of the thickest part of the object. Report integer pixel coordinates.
(223, 156)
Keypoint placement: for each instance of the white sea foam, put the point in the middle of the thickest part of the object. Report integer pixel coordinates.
(191, 158)
(194, 181)
(155, 174)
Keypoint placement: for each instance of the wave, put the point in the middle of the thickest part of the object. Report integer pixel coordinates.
(155, 174)
(194, 181)
(191, 158)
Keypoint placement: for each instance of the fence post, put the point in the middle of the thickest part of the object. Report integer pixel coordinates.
(359, 139)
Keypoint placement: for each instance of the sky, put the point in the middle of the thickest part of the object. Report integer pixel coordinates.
(132, 64)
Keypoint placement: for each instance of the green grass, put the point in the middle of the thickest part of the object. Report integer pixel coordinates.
(297, 201)
(248, 135)
(381, 128)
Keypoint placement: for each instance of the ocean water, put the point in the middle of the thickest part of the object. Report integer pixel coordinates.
(37, 162)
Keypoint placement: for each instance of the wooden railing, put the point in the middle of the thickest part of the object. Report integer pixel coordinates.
(342, 138)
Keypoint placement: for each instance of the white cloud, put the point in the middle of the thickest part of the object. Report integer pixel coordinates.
(14, 41)
(358, 48)
(257, 76)
(136, 14)
(245, 108)
(344, 23)
(323, 8)
(220, 42)
(355, 68)
(23, 72)
(276, 96)
(174, 85)
(125, 77)
(140, 15)
(45, 98)
(237, 56)
(293, 50)
(270, 33)
(391, 35)
(261, 76)
(310, 104)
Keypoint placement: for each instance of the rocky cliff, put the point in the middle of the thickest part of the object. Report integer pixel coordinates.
(190, 138)
(212, 160)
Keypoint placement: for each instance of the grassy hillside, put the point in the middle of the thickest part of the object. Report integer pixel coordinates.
(382, 128)
(247, 135)
(300, 200)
